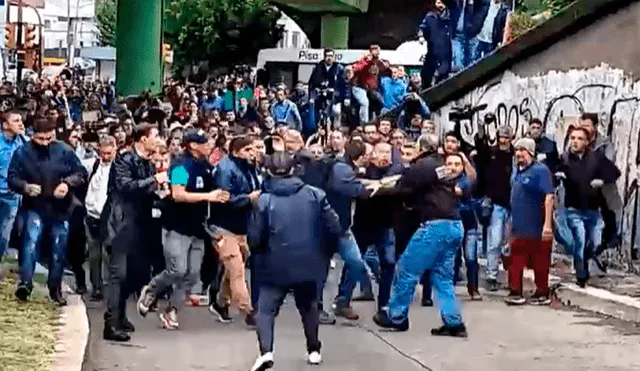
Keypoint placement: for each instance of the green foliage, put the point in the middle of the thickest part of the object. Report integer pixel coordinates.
(106, 21)
(223, 32)
(531, 7)
(520, 24)
(555, 6)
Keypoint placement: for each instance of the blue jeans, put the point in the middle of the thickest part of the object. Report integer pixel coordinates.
(470, 245)
(34, 228)
(355, 268)
(482, 50)
(8, 211)
(433, 247)
(495, 239)
(587, 235)
(385, 248)
(464, 49)
(371, 259)
(360, 95)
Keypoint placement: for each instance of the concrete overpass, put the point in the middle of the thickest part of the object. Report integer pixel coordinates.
(355, 24)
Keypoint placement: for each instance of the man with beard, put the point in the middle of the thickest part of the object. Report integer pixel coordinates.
(45, 171)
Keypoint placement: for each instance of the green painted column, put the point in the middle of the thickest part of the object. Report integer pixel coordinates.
(334, 32)
(138, 43)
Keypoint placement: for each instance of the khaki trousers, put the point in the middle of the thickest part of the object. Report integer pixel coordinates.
(232, 250)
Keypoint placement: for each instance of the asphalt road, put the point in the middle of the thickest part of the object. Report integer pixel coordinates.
(501, 339)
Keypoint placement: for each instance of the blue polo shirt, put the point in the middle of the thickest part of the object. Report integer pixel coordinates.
(529, 186)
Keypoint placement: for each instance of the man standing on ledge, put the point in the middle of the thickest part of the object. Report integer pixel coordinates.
(433, 246)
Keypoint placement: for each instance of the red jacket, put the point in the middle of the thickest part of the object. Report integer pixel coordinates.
(367, 72)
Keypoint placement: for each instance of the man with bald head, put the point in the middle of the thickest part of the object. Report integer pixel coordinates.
(373, 224)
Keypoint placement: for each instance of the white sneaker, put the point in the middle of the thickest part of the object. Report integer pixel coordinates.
(264, 362)
(314, 358)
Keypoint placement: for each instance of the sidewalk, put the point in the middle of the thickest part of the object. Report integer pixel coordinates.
(616, 295)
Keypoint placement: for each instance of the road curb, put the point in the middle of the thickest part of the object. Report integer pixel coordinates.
(73, 334)
(591, 299)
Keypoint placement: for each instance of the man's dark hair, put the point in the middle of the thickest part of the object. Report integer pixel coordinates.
(354, 150)
(43, 125)
(593, 117)
(535, 121)
(329, 50)
(239, 143)
(143, 130)
(453, 134)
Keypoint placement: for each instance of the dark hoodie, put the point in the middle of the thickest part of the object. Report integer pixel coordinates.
(289, 230)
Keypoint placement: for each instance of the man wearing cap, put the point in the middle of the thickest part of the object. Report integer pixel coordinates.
(496, 163)
(287, 230)
(192, 187)
(532, 199)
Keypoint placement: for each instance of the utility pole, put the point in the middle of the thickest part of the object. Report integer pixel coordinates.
(19, 49)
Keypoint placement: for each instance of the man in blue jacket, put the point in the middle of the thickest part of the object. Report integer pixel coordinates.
(342, 189)
(228, 223)
(44, 172)
(11, 139)
(288, 230)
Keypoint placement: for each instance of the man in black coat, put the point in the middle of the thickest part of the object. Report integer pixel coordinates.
(132, 186)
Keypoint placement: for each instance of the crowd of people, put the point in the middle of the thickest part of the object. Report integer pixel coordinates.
(458, 33)
(210, 181)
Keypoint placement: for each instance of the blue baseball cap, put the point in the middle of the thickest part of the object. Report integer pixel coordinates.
(194, 136)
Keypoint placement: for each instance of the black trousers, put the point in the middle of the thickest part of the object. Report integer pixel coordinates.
(118, 288)
(269, 302)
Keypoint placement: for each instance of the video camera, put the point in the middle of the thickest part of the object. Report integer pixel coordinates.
(324, 91)
(465, 112)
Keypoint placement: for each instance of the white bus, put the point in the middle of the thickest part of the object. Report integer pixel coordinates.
(290, 66)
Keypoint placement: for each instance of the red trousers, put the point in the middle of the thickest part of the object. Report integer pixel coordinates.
(523, 251)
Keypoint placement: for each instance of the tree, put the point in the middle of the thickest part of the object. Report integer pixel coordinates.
(106, 21)
(555, 6)
(224, 33)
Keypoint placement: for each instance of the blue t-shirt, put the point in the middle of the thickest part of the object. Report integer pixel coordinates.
(529, 187)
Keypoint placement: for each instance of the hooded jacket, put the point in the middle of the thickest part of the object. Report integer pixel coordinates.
(289, 230)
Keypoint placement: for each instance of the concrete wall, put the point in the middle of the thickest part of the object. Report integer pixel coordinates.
(592, 71)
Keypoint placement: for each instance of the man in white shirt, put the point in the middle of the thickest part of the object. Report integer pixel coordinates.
(98, 169)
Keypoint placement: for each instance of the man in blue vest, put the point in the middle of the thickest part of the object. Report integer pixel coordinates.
(192, 187)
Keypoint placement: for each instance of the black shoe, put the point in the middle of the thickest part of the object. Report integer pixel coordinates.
(459, 331)
(493, 285)
(427, 303)
(250, 320)
(221, 313)
(515, 298)
(382, 319)
(81, 290)
(56, 296)
(126, 325)
(111, 333)
(23, 292)
(96, 296)
(582, 282)
(365, 296)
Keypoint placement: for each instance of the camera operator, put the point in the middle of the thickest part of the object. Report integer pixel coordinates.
(413, 105)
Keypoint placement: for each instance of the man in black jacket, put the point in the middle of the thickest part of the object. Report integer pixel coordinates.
(327, 75)
(433, 246)
(44, 171)
(132, 186)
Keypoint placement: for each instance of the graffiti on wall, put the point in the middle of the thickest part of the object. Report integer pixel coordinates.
(558, 99)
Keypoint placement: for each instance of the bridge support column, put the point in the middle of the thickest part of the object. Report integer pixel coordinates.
(138, 42)
(334, 32)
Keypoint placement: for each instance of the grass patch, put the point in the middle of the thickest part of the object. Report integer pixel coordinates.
(28, 331)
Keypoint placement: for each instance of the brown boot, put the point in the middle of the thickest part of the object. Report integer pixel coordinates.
(474, 293)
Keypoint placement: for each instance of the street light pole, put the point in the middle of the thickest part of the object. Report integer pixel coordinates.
(19, 49)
